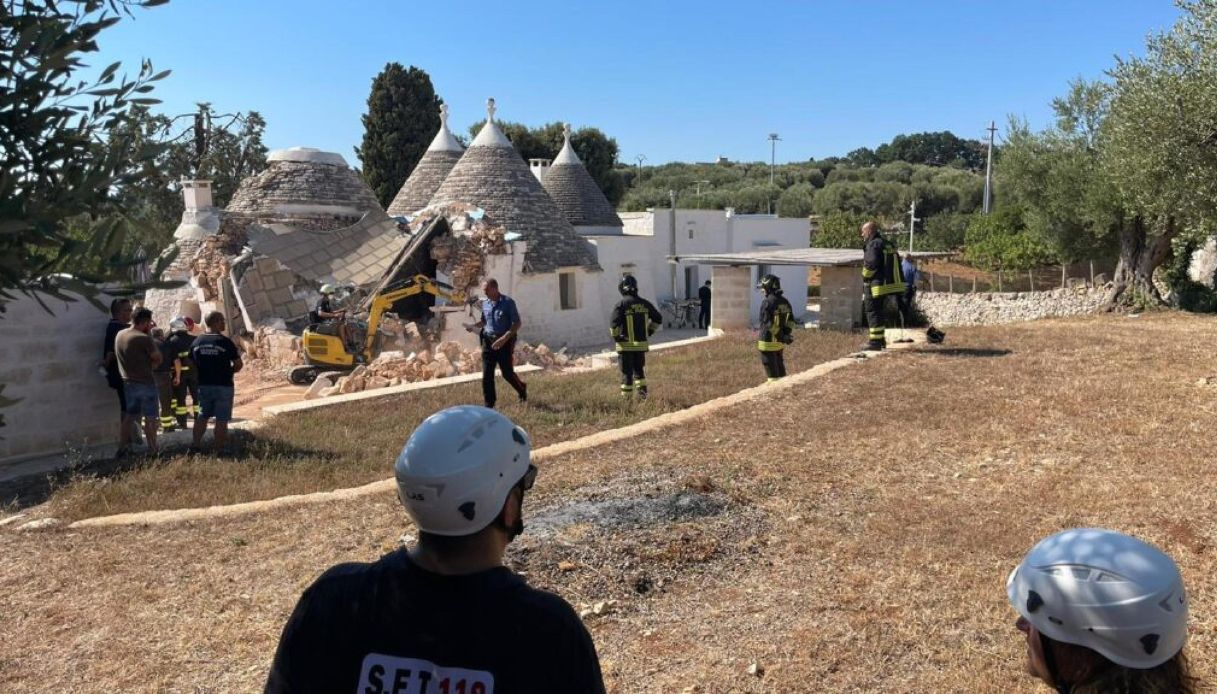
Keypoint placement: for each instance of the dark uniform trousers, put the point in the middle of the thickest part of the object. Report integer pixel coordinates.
(502, 358)
(875, 307)
(774, 363)
(633, 377)
(189, 383)
(164, 391)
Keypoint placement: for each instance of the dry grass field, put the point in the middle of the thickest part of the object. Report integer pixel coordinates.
(348, 445)
(852, 534)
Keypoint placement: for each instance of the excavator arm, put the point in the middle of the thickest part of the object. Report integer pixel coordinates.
(411, 286)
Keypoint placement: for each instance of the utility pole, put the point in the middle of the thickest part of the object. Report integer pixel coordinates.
(773, 149)
(699, 185)
(989, 167)
(640, 158)
(913, 219)
(672, 241)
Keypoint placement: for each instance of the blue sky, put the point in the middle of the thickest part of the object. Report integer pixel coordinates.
(674, 81)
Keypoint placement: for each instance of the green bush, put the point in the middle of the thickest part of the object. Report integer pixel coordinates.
(840, 230)
(944, 232)
(1191, 296)
(1000, 241)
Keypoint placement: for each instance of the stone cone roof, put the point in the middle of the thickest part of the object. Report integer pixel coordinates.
(493, 176)
(303, 183)
(426, 178)
(441, 155)
(576, 193)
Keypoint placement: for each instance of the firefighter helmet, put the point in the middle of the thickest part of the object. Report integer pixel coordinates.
(770, 284)
(628, 286)
(327, 289)
(178, 324)
(1106, 591)
(458, 467)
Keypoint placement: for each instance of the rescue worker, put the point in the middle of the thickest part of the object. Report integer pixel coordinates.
(326, 313)
(445, 615)
(1102, 611)
(907, 301)
(777, 325)
(882, 277)
(185, 377)
(166, 372)
(634, 321)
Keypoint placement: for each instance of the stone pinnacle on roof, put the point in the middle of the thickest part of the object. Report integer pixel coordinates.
(575, 191)
(443, 153)
(492, 176)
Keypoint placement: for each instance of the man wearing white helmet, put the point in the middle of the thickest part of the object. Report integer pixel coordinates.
(327, 313)
(445, 615)
(1102, 612)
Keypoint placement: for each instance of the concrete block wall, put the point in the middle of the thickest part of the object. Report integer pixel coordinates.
(731, 301)
(49, 361)
(840, 297)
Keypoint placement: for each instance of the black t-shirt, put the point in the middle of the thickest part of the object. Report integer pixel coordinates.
(113, 377)
(393, 627)
(213, 355)
(324, 305)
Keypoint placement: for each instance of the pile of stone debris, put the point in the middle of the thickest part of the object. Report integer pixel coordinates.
(445, 360)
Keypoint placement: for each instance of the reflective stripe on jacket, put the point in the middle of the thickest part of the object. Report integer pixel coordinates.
(777, 317)
(881, 270)
(633, 321)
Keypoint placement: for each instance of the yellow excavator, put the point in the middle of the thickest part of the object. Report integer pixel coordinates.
(323, 352)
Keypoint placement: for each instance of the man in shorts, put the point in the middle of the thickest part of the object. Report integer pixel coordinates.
(216, 358)
(138, 356)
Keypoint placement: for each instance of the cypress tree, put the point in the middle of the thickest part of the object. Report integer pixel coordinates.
(402, 119)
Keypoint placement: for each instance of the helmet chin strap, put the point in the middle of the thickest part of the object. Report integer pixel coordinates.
(1062, 687)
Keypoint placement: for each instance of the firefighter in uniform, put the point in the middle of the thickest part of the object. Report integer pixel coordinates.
(186, 378)
(777, 325)
(634, 320)
(882, 278)
(165, 373)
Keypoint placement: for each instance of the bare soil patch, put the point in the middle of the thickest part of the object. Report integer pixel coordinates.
(862, 531)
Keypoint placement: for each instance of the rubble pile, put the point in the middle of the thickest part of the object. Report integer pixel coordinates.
(461, 254)
(210, 264)
(270, 352)
(444, 360)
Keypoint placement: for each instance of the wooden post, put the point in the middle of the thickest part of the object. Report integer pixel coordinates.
(931, 280)
(999, 289)
(951, 283)
(1064, 272)
(1031, 279)
(973, 284)
(1092, 274)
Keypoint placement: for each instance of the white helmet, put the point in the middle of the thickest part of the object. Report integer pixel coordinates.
(327, 289)
(1104, 590)
(178, 324)
(458, 467)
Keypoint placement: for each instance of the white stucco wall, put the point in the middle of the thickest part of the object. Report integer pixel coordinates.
(538, 298)
(646, 244)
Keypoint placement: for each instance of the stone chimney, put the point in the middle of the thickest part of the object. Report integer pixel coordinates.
(539, 167)
(200, 218)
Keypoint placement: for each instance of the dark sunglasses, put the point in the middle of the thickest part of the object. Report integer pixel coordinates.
(529, 478)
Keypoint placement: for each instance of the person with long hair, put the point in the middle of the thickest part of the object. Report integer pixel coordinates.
(1103, 613)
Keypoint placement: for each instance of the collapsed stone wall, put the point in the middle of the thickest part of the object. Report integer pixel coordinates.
(944, 308)
(461, 254)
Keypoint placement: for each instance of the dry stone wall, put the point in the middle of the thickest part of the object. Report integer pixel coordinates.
(943, 308)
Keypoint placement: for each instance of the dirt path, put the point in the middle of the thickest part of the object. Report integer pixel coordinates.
(850, 534)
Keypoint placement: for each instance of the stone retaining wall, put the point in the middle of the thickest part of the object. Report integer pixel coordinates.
(943, 308)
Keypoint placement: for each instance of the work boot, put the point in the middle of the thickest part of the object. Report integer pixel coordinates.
(642, 393)
(874, 346)
(935, 336)
(523, 393)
